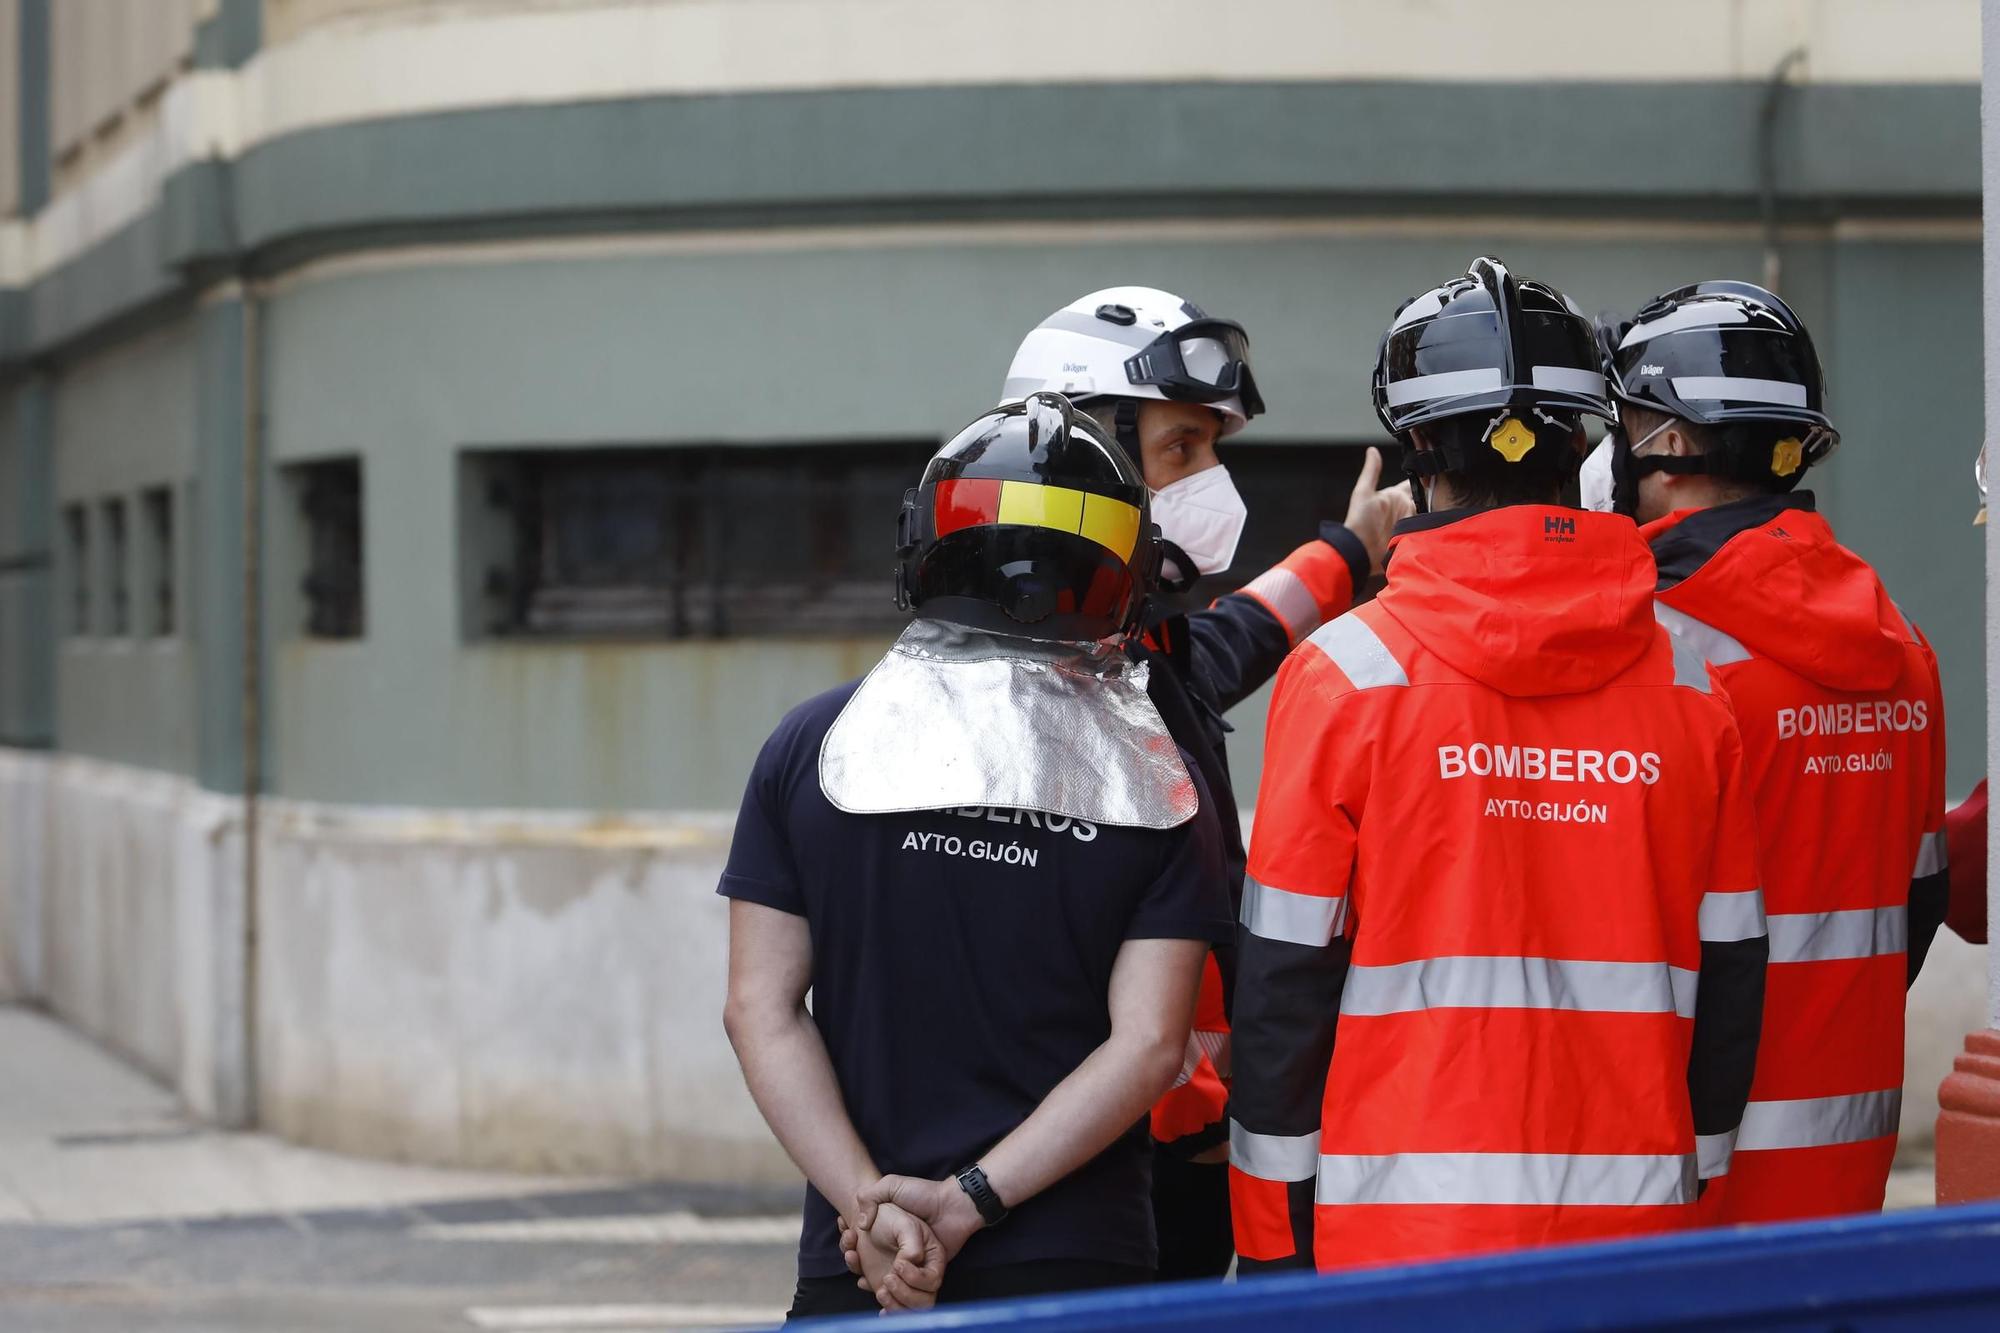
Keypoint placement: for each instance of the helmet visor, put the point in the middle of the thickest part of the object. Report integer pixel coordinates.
(1204, 361)
(1034, 576)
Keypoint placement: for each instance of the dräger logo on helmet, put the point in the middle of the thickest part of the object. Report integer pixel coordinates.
(1555, 764)
(1847, 719)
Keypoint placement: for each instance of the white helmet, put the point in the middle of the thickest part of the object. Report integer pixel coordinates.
(1138, 342)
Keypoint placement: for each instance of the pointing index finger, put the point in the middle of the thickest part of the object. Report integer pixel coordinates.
(1371, 472)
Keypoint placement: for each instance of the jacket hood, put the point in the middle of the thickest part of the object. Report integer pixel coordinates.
(1768, 573)
(1529, 599)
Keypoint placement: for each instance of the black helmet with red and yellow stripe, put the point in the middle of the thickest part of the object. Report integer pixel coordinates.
(1031, 522)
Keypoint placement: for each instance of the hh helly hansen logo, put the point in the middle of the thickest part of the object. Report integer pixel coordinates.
(1854, 718)
(1558, 529)
(1535, 764)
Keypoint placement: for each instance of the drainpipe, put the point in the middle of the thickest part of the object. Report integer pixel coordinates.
(252, 294)
(1767, 162)
(253, 670)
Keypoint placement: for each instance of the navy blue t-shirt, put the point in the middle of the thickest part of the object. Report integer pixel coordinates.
(961, 969)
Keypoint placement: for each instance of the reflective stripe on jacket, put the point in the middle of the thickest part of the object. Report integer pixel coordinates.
(1838, 701)
(1203, 665)
(1502, 855)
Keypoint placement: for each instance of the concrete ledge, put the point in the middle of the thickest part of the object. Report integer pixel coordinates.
(523, 990)
(527, 991)
(23, 821)
(121, 910)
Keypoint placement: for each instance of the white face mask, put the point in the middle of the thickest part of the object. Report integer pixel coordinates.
(1203, 515)
(1595, 478)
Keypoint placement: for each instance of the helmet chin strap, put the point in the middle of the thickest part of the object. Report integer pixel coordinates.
(1179, 559)
(1169, 595)
(1628, 467)
(1125, 424)
(1420, 466)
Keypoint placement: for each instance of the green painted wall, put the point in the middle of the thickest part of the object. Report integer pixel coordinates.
(124, 421)
(1905, 360)
(27, 510)
(1076, 151)
(408, 366)
(758, 338)
(218, 336)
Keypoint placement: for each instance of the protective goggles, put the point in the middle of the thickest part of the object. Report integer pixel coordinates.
(1204, 361)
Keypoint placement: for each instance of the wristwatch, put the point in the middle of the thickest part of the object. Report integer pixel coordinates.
(977, 1188)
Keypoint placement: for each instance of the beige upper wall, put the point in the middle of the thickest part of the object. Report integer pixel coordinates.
(10, 107)
(108, 58)
(719, 45)
(331, 62)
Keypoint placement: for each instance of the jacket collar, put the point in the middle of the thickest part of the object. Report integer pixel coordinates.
(1687, 539)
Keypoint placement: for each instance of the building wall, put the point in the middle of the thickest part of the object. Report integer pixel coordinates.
(10, 109)
(27, 516)
(121, 908)
(484, 897)
(108, 61)
(1990, 381)
(124, 424)
(523, 989)
(414, 713)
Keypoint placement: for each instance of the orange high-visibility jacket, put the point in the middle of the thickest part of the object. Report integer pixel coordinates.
(1232, 648)
(1502, 855)
(1843, 733)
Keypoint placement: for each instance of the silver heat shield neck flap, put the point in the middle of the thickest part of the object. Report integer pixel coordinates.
(954, 717)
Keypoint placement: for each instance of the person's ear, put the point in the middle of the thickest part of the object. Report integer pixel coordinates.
(1675, 443)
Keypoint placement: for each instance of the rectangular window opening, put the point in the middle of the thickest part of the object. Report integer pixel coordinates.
(117, 569)
(686, 542)
(157, 512)
(330, 501)
(76, 535)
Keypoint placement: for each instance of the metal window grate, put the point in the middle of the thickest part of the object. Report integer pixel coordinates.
(695, 542)
(330, 499)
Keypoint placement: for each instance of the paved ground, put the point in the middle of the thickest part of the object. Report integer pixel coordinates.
(116, 1213)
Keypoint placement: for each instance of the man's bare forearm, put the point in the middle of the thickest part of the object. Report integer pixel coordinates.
(1085, 1113)
(1152, 1006)
(791, 1079)
(1113, 1088)
(784, 1057)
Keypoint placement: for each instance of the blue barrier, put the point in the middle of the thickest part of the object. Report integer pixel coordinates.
(1930, 1269)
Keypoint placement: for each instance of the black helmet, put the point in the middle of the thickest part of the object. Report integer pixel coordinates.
(1029, 522)
(1717, 354)
(1509, 349)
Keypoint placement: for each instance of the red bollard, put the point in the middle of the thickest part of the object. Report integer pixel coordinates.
(1968, 1126)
